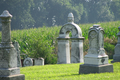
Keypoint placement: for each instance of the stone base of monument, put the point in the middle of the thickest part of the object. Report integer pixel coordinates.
(87, 68)
(13, 77)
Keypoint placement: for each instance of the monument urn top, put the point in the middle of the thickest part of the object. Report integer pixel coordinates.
(5, 14)
(70, 17)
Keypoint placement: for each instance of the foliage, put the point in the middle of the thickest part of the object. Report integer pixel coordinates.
(42, 42)
(115, 8)
(109, 45)
(37, 42)
(66, 72)
(20, 9)
(36, 13)
(100, 10)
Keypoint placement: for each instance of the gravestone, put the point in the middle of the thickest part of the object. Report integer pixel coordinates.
(39, 61)
(96, 61)
(64, 45)
(16, 45)
(28, 62)
(116, 56)
(8, 54)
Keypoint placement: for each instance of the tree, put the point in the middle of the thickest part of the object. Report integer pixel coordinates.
(99, 11)
(115, 7)
(20, 9)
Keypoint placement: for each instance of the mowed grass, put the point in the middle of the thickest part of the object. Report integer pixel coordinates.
(67, 72)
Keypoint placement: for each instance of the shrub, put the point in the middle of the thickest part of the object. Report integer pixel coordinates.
(41, 42)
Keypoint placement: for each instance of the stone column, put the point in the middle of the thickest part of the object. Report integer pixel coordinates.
(96, 61)
(116, 56)
(63, 51)
(8, 54)
(77, 50)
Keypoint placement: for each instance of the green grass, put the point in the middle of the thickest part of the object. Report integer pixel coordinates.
(67, 72)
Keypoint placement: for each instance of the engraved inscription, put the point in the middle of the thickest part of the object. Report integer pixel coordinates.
(103, 60)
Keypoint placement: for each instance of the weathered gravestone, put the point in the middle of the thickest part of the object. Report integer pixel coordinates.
(8, 54)
(76, 45)
(33, 61)
(39, 61)
(96, 61)
(116, 56)
(28, 62)
(16, 45)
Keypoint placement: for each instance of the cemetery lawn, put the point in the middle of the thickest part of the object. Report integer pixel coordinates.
(67, 72)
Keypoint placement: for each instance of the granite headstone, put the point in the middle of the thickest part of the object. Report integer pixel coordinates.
(96, 61)
(116, 56)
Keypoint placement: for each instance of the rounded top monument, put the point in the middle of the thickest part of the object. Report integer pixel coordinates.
(70, 26)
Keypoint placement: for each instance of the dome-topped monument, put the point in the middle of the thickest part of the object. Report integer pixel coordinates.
(64, 45)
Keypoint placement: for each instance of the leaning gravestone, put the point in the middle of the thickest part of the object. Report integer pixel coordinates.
(16, 45)
(8, 54)
(76, 45)
(116, 56)
(96, 61)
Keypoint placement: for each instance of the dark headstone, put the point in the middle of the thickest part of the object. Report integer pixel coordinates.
(86, 69)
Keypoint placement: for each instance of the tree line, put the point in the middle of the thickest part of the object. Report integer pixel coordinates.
(38, 13)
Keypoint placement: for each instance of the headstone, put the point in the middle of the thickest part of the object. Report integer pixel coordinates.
(38, 61)
(16, 45)
(28, 62)
(64, 45)
(116, 56)
(96, 61)
(8, 54)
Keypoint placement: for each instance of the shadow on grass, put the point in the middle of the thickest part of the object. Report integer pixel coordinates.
(66, 75)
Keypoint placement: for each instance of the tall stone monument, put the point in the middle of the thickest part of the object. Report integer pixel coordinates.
(96, 61)
(8, 54)
(116, 56)
(64, 44)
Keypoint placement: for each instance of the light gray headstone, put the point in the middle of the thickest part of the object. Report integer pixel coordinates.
(64, 45)
(96, 61)
(8, 54)
(96, 53)
(39, 61)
